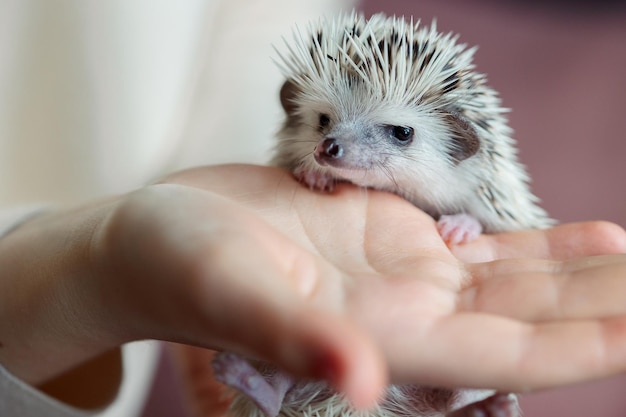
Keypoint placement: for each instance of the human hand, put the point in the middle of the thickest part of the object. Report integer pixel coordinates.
(344, 287)
(407, 311)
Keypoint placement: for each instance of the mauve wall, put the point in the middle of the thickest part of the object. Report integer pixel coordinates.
(563, 74)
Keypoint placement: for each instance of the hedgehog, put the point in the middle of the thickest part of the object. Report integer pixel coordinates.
(386, 104)
(390, 105)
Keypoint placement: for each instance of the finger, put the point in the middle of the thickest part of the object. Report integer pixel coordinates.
(560, 242)
(592, 287)
(520, 357)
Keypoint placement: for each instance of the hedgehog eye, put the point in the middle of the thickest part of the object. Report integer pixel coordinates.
(402, 133)
(324, 120)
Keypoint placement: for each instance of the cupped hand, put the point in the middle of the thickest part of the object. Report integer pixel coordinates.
(374, 260)
(355, 287)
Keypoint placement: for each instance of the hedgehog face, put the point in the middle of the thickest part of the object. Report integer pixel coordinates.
(343, 133)
(358, 143)
(368, 99)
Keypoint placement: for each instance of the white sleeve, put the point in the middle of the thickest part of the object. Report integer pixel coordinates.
(139, 360)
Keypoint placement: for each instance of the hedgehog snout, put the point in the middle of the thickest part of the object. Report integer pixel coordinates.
(327, 150)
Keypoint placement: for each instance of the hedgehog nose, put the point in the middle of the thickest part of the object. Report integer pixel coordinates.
(329, 147)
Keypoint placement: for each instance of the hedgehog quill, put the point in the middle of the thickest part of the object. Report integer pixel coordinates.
(388, 104)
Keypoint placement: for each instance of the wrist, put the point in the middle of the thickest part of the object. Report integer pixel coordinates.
(51, 319)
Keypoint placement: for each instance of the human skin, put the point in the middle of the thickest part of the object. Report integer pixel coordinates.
(355, 287)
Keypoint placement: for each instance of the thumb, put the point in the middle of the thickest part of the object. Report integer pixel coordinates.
(321, 345)
(293, 317)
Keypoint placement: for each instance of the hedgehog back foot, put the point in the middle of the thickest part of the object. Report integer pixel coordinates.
(236, 372)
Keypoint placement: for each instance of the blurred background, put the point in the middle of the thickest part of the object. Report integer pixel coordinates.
(98, 97)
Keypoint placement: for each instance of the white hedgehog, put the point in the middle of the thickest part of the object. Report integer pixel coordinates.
(389, 105)
(385, 104)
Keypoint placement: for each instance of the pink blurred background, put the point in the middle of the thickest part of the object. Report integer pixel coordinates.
(562, 71)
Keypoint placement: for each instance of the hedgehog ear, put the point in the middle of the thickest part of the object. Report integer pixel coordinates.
(288, 94)
(465, 141)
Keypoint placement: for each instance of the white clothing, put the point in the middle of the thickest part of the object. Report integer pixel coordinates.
(18, 399)
(103, 97)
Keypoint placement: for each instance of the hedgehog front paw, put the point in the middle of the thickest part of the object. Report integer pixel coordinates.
(459, 228)
(499, 405)
(315, 179)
